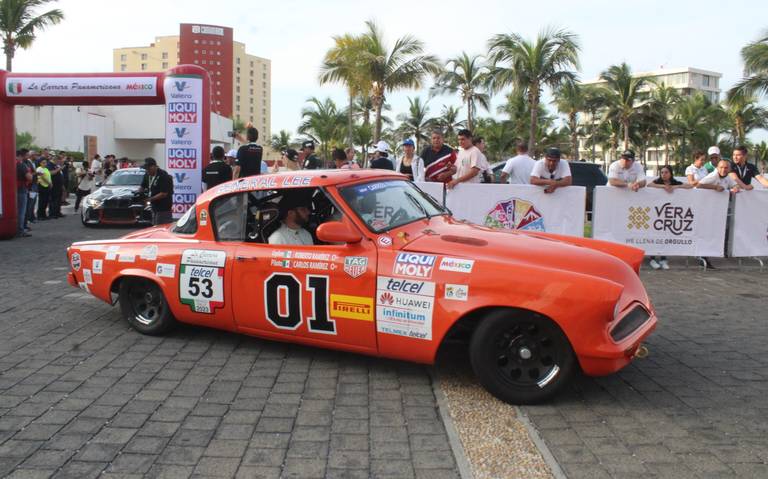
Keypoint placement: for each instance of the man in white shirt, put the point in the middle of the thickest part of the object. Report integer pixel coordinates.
(697, 171)
(518, 168)
(720, 180)
(294, 214)
(626, 172)
(551, 172)
(468, 161)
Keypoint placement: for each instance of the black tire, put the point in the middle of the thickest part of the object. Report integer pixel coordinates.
(521, 358)
(83, 214)
(144, 306)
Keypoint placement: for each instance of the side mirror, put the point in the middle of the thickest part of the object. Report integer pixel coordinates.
(337, 232)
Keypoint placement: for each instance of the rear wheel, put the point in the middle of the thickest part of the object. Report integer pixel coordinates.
(144, 306)
(521, 358)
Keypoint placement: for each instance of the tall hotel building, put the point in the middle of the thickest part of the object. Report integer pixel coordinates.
(241, 83)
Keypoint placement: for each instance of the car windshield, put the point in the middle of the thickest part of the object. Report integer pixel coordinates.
(384, 205)
(125, 178)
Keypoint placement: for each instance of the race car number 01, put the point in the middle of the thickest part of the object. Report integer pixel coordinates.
(290, 317)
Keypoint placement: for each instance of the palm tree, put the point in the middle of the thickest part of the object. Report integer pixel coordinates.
(415, 123)
(519, 116)
(499, 137)
(623, 96)
(570, 101)
(662, 104)
(594, 101)
(744, 115)
(281, 141)
(531, 66)
(404, 66)
(755, 57)
(467, 76)
(19, 25)
(342, 65)
(363, 136)
(323, 123)
(698, 120)
(449, 122)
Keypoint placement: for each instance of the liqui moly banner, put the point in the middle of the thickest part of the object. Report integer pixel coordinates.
(184, 138)
(749, 230)
(681, 223)
(433, 189)
(520, 207)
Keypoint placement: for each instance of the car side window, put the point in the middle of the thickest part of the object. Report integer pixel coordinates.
(228, 216)
(187, 224)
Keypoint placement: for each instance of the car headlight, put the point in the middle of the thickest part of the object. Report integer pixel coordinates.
(92, 202)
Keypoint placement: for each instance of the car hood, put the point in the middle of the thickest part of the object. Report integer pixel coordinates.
(114, 192)
(449, 237)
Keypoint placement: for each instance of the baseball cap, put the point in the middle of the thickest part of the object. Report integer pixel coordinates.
(552, 152)
(628, 154)
(408, 142)
(291, 154)
(308, 144)
(382, 146)
(149, 162)
(232, 153)
(713, 150)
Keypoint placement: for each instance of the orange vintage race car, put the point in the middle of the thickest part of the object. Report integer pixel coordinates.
(364, 261)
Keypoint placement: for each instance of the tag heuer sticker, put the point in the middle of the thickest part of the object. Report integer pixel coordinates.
(355, 265)
(458, 292)
(76, 261)
(98, 265)
(165, 270)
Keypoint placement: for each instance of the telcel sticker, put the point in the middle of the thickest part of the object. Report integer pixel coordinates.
(458, 292)
(201, 279)
(98, 266)
(458, 265)
(76, 261)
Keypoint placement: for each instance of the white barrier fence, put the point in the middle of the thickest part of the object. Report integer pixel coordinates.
(521, 207)
(749, 230)
(681, 223)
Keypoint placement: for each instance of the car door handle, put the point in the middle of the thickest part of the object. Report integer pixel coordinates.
(246, 258)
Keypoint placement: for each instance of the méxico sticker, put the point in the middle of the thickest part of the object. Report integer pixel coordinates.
(355, 265)
(458, 265)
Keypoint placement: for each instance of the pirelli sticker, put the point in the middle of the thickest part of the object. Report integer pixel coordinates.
(351, 307)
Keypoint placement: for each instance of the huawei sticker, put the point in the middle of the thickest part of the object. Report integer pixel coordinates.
(385, 241)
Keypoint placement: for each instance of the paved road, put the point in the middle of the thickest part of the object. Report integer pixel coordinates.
(696, 407)
(82, 394)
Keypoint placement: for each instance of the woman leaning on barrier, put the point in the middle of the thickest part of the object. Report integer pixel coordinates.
(667, 181)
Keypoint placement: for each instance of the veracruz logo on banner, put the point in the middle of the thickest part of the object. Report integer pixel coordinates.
(681, 223)
(184, 138)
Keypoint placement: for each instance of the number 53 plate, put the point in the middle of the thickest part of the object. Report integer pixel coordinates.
(201, 280)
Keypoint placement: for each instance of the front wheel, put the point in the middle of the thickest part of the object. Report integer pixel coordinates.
(521, 358)
(144, 306)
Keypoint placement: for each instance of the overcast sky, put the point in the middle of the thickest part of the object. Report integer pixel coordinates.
(295, 35)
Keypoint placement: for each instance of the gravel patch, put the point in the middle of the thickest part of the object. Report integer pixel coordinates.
(495, 440)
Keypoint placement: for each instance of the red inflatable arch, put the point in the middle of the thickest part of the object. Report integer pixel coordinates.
(185, 90)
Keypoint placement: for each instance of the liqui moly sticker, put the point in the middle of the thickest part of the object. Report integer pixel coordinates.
(76, 262)
(355, 265)
(415, 265)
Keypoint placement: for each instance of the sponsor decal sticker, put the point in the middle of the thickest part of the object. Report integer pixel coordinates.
(385, 241)
(201, 279)
(149, 252)
(457, 265)
(97, 266)
(352, 307)
(459, 292)
(87, 277)
(126, 258)
(204, 257)
(112, 252)
(404, 307)
(415, 265)
(355, 266)
(203, 218)
(165, 270)
(76, 261)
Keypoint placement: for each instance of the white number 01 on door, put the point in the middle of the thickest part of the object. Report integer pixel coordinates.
(201, 279)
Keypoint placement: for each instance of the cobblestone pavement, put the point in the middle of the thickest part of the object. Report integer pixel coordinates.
(83, 395)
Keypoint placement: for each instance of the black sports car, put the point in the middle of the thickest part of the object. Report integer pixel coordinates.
(118, 201)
